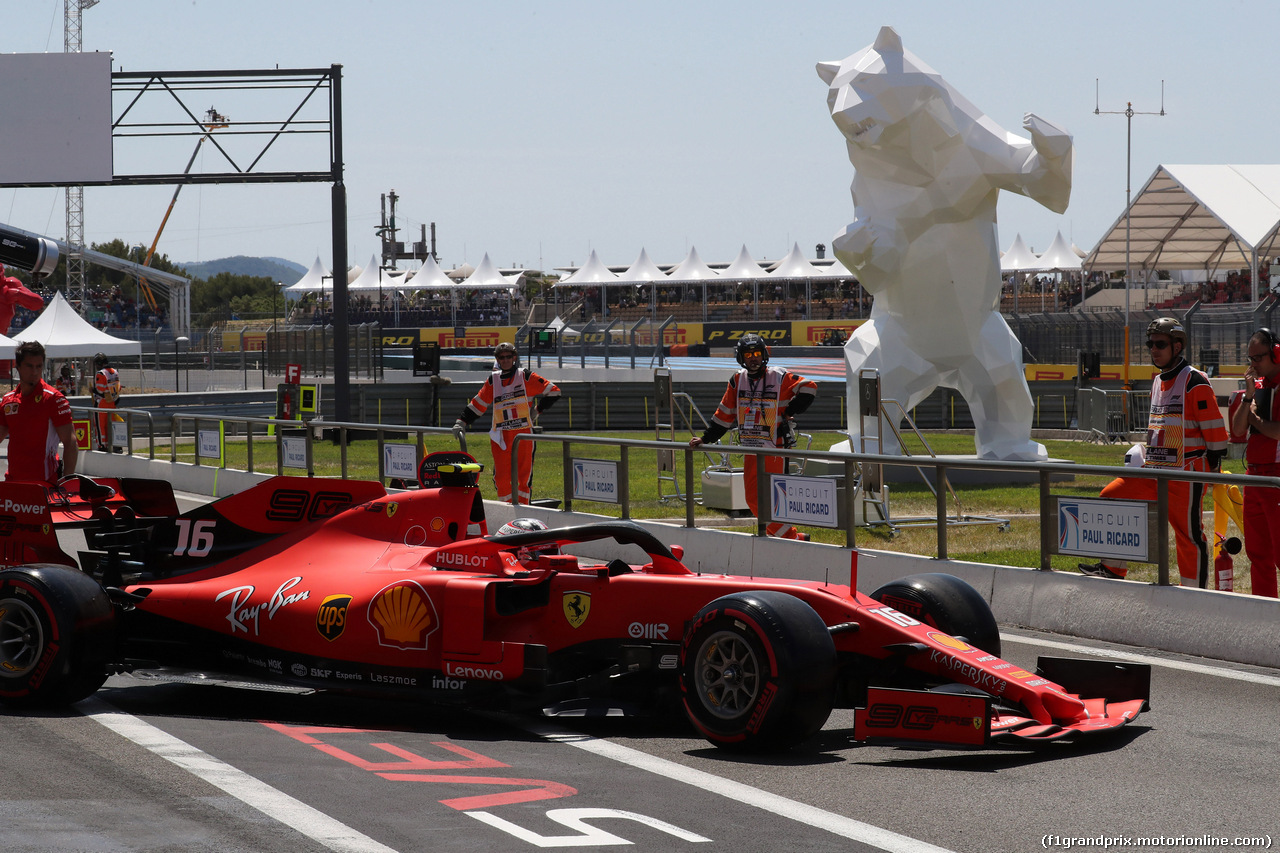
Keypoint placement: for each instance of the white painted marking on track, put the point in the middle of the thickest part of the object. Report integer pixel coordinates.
(835, 824)
(1185, 666)
(272, 802)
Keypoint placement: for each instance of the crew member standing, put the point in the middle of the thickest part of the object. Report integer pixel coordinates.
(35, 418)
(66, 381)
(1185, 432)
(1258, 416)
(106, 392)
(762, 400)
(518, 397)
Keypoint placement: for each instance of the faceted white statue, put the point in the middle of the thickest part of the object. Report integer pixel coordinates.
(928, 166)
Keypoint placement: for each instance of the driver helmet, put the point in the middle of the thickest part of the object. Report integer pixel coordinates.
(750, 342)
(529, 552)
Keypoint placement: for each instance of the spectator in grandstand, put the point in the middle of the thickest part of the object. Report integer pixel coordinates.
(1258, 417)
(1185, 431)
(762, 400)
(512, 393)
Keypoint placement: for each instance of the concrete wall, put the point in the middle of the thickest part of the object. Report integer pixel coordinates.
(1219, 625)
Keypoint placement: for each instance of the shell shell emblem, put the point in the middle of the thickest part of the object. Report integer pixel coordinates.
(950, 642)
(403, 616)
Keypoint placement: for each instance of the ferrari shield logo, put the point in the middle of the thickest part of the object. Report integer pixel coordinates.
(391, 508)
(577, 606)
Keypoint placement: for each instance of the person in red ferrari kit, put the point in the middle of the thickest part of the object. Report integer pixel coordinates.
(35, 417)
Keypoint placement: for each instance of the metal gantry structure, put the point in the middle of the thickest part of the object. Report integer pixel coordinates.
(73, 42)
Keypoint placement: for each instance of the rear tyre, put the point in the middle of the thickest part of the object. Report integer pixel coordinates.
(946, 603)
(56, 635)
(757, 671)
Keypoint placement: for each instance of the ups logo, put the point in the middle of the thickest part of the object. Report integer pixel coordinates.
(331, 618)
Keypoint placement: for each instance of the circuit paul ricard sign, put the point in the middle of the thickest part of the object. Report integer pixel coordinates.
(1097, 527)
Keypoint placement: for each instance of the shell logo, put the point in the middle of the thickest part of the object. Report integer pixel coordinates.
(437, 524)
(950, 642)
(403, 616)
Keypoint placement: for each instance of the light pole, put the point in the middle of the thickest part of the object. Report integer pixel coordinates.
(1128, 112)
(177, 348)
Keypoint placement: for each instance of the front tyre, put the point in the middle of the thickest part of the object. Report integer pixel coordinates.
(757, 671)
(947, 603)
(56, 635)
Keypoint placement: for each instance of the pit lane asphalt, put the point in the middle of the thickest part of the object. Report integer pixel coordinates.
(368, 775)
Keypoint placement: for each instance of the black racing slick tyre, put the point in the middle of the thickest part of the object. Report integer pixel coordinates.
(56, 635)
(947, 603)
(757, 671)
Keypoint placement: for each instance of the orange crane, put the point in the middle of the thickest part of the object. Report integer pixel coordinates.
(213, 120)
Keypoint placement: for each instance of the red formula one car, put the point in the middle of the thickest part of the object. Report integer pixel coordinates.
(336, 585)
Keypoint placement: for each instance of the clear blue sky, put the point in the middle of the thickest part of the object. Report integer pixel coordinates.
(538, 131)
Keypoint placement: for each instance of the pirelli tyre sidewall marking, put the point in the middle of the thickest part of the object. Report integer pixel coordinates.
(718, 620)
(28, 656)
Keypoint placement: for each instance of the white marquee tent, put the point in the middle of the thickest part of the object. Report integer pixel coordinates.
(317, 278)
(65, 334)
(1019, 258)
(795, 265)
(1196, 218)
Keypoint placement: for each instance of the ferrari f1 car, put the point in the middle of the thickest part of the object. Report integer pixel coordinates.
(337, 585)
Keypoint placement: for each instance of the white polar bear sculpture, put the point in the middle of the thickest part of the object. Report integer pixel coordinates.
(928, 167)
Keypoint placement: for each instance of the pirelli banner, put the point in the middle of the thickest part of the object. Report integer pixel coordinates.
(715, 335)
(470, 337)
(795, 333)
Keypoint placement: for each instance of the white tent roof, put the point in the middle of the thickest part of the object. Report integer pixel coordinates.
(836, 270)
(487, 276)
(692, 268)
(642, 270)
(795, 265)
(428, 276)
(592, 272)
(312, 281)
(370, 277)
(1196, 217)
(1019, 257)
(1059, 256)
(6, 346)
(65, 334)
(743, 266)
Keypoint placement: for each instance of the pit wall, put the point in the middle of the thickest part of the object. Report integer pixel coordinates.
(1217, 625)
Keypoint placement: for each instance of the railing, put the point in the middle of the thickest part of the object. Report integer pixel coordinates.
(129, 415)
(285, 429)
(851, 462)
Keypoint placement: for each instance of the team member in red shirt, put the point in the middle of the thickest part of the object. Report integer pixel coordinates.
(1259, 417)
(1185, 431)
(512, 393)
(35, 417)
(761, 400)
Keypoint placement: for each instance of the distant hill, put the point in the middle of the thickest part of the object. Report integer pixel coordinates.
(276, 269)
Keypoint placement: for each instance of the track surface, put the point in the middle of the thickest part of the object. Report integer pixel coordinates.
(146, 766)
